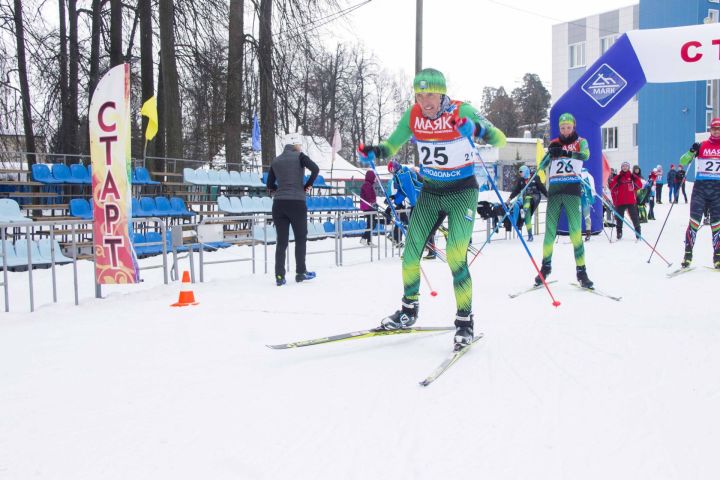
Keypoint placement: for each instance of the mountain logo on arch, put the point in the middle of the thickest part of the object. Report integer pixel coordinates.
(604, 85)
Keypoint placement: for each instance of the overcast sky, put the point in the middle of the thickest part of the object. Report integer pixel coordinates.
(475, 43)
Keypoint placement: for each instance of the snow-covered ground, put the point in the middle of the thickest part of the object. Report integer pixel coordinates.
(128, 388)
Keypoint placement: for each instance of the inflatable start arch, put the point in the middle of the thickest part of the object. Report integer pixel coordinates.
(664, 55)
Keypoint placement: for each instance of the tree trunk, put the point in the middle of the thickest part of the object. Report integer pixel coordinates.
(95, 47)
(73, 119)
(62, 142)
(267, 107)
(146, 71)
(116, 56)
(233, 99)
(171, 90)
(160, 150)
(24, 85)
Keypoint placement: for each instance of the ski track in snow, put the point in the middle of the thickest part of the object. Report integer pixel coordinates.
(126, 387)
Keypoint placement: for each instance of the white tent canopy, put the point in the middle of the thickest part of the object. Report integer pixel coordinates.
(320, 152)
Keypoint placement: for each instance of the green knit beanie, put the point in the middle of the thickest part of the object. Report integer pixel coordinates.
(429, 80)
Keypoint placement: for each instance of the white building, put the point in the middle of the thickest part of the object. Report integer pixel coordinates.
(576, 46)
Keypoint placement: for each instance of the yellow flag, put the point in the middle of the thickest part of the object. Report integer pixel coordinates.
(149, 109)
(539, 155)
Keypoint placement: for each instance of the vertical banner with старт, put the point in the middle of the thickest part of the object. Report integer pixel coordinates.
(109, 119)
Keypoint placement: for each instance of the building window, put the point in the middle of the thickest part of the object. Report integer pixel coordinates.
(709, 94)
(635, 134)
(708, 119)
(713, 15)
(606, 43)
(610, 138)
(577, 55)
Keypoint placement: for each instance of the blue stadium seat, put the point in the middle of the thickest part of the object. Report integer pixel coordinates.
(137, 239)
(62, 173)
(142, 177)
(163, 207)
(180, 209)
(264, 177)
(148, 206)
(10, 211)
(333, 203)
(154, 237)
(329, 227)
(320, 182)
(79, 207)
(41, 173)
(79, 172)
(44, 246)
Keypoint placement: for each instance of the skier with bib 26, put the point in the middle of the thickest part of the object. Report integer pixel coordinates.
(566, 156)
(440, 127)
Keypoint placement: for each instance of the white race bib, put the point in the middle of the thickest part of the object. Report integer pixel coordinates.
(446, 155)
(707, 169)
(563, 168)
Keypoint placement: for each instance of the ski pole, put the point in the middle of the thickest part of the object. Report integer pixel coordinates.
(672, 204)
(555, 302)
(637, 234)
(507, 212)
(433, 247)
(370, 159)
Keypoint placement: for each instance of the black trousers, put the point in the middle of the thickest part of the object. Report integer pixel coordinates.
(372, 221)
(634, 216)
(286, 213)
(682, 189)
(658, 192)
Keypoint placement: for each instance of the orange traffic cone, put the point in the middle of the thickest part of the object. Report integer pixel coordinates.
(187, 297)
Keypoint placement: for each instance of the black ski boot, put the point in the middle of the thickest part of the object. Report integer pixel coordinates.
(687, 259)
(463, 330)
(582, 277)
(545, 271)
(404, 318)
(588, 235)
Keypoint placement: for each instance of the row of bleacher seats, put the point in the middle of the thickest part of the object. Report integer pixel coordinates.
(329, 203)
(318, 183)
(143, 207)
(10, 211)
(140, 241)
(40, 254)
(245, 205)
(268, 234)
(78, 174)
(248, 204)
(222, 178)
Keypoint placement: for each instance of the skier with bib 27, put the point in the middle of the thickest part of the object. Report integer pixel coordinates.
(440, 127)
(705, 193)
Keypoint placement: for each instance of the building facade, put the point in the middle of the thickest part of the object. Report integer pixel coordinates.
(662, 121)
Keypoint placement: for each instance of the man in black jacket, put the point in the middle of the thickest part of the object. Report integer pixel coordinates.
(285, 183)
(680, 183)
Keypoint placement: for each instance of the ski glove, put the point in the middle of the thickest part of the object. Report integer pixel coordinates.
(368, 153)
(695, 148)
(556, 151)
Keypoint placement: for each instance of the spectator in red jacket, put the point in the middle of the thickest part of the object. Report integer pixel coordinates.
(624, 187)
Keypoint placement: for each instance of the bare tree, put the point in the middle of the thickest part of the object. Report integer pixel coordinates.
(233, 101)
(24, 85)
(116, 56)
(172, 113)
(147, 73)
(267, 107)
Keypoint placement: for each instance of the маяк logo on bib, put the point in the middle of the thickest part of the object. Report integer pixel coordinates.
(604, 85)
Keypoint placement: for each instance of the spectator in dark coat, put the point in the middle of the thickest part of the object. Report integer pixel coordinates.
(680, 183)
(625, 185)
(368, 203)
(285, 183)
(672, 184)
